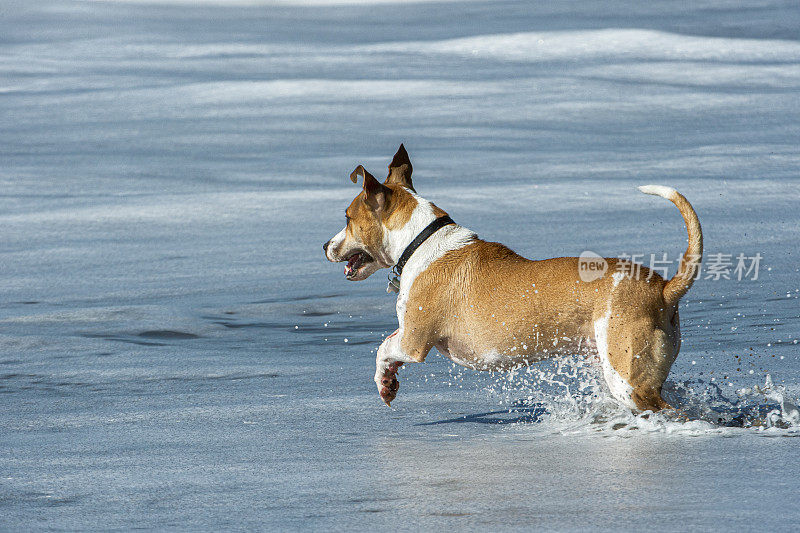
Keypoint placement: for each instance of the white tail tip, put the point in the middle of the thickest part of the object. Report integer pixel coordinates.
(658, 190)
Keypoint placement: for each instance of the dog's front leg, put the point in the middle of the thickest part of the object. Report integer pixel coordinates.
(391, 357)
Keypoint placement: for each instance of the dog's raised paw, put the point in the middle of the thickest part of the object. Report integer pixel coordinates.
(388, 389)
(389, 384)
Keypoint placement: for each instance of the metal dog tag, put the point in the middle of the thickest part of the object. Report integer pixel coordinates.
(394, 285)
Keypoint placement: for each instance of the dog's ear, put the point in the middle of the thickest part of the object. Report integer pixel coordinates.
(376, 195)
(400, 169)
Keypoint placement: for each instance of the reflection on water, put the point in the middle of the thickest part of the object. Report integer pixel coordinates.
(517, 414)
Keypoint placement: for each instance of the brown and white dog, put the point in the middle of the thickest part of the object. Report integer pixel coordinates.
(487, 308)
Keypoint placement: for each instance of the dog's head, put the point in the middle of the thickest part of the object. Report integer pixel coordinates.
(376, 219)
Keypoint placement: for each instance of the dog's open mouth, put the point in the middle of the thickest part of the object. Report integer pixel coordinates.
(355, 262)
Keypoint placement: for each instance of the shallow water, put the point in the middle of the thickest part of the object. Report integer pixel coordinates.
(175, 352)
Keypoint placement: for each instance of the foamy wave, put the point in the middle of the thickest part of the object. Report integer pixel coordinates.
(617, 44)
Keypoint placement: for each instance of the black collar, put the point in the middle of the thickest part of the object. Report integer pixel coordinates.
(432, 228)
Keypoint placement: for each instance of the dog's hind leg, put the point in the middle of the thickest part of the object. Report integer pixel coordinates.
(650, 367)
(636, 355)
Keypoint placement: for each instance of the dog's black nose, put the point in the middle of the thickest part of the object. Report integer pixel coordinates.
(325, 247)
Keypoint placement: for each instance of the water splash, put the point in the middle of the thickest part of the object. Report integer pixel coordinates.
(571, 397)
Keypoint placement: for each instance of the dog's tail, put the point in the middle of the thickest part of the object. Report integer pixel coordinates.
(690, 262)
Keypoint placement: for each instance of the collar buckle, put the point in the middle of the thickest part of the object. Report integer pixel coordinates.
(393, 285)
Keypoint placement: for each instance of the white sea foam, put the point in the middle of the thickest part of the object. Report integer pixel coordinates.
(616, 44)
